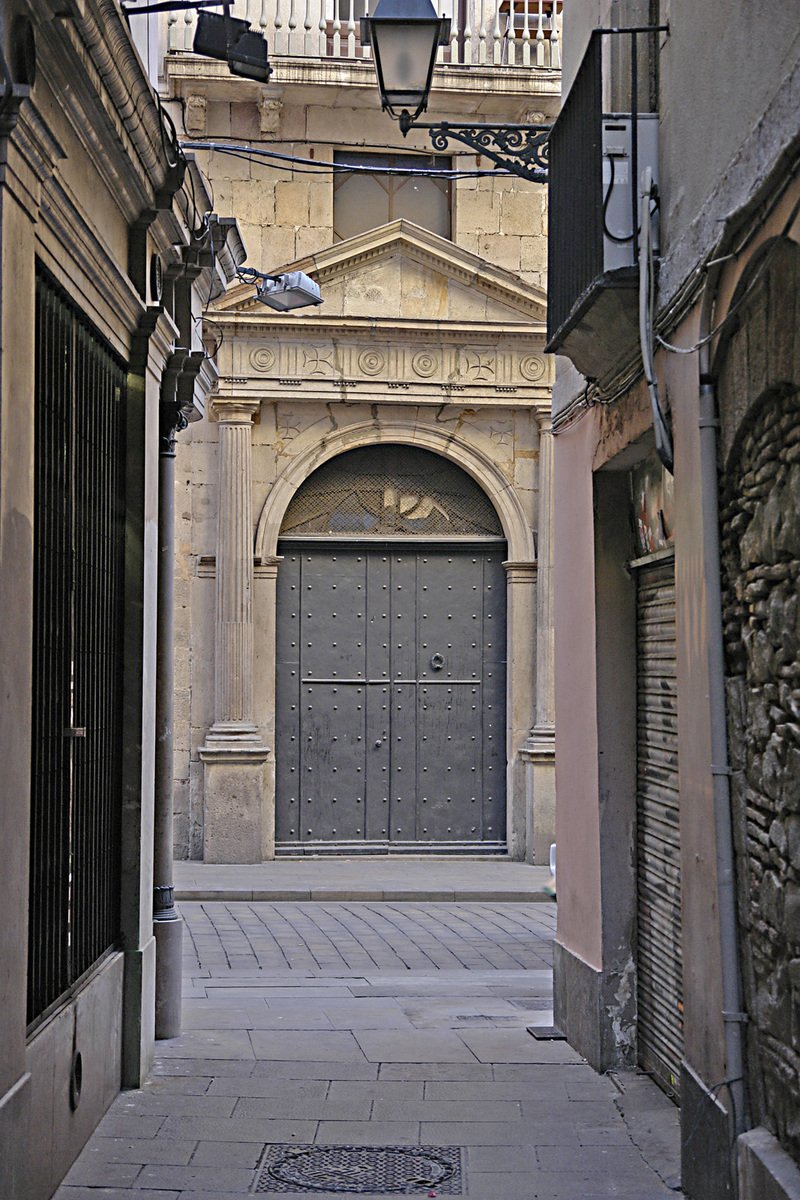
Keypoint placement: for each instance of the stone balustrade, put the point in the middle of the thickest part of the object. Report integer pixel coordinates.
(488, 33)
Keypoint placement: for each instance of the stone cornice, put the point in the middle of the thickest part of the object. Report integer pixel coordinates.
(252, 326)
(90, 61)
(487, 90)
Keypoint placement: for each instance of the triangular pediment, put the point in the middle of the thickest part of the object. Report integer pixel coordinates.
(401, 271)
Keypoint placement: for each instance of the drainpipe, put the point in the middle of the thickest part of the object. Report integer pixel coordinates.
(732, 1009)
(167, 923)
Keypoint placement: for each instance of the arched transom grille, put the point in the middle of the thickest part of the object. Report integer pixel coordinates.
(389, 491)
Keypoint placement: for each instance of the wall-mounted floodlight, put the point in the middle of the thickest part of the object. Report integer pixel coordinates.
(231, 39)
(294, 289)
(217, 36)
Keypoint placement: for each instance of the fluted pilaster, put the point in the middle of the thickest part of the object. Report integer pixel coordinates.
(236, 825)
(233, 643)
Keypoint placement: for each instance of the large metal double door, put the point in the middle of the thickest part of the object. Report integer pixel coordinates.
(390, 697)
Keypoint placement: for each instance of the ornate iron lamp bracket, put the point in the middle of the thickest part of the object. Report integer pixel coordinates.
(520, 149)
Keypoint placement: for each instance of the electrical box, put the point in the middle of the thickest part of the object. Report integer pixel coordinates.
(620, 217)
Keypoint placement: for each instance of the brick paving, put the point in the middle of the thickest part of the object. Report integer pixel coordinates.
(366, 1023)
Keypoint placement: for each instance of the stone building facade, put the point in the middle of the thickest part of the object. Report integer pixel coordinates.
(100, 361)
(677, 656)
(430, 338)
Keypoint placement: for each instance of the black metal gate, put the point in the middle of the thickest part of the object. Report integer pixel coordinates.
(391, 697)
(659, 958)
(79, 535)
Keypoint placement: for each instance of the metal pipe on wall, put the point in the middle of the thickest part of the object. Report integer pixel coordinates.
(167, 922)
(732, 1005)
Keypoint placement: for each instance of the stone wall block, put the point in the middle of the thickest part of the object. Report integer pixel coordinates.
(771, 900)
(520, 214)
(773, 1005)
(277, 247)
(320, 208)
(245, 123)
(791, 915)
(501, 250)
(253, 204)
(311, 240)
(292, 202)
(226, 166)
(477, 211)
(760, 653)
(533, 253)
(794, 983)
(793, 842)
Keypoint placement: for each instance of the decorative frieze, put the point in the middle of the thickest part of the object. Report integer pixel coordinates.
(431, 370)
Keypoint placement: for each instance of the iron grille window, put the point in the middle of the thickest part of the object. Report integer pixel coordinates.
(79, 529)
(391, 491)
(362, 201)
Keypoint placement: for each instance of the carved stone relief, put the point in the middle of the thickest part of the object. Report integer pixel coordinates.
(449, 366)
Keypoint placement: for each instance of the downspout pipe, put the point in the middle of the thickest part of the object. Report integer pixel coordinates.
(733, 1015)
(167, 922)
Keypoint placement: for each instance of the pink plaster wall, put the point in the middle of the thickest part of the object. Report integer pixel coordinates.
(577, 806)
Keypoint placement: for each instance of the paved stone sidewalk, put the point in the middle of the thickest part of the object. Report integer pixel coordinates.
(368, 1024)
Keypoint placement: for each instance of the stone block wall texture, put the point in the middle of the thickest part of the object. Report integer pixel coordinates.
(761, 575)
(286, 214)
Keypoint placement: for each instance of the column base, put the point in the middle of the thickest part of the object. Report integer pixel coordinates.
(538, 753)
(235, 825)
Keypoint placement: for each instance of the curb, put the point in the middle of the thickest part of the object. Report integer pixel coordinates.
(338, 895)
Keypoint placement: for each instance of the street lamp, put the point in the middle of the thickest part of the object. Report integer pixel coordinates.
(404, 36)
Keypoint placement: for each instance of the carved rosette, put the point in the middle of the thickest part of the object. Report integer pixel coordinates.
(425, 364)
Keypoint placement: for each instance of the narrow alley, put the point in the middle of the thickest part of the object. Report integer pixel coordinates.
(357, 1024)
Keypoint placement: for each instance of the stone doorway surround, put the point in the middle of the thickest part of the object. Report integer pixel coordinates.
(472, 385)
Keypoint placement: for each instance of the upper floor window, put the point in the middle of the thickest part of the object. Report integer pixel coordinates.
(363, 201)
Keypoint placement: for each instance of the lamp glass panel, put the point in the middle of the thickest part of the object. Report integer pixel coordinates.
(404, 51)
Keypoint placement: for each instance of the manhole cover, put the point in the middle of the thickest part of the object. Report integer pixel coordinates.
(404, 1170)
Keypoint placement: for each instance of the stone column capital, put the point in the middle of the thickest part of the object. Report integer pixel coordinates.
(521, 572)
(544, 418)
(267, 567)
(235, 410)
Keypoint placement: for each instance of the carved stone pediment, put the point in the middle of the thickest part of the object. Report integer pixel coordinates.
(407, 317)
(403, 271)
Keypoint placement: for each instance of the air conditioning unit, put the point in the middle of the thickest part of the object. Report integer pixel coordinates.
(621, 208)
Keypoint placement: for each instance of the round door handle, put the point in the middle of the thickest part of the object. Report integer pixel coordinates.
(437, 662)
(378, 744)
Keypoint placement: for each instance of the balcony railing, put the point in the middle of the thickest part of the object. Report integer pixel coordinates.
(488, 33)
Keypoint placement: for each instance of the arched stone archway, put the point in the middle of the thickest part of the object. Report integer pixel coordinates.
(313, 452)
(520, 600)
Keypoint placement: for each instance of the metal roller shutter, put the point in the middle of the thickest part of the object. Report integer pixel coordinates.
(659, 974)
